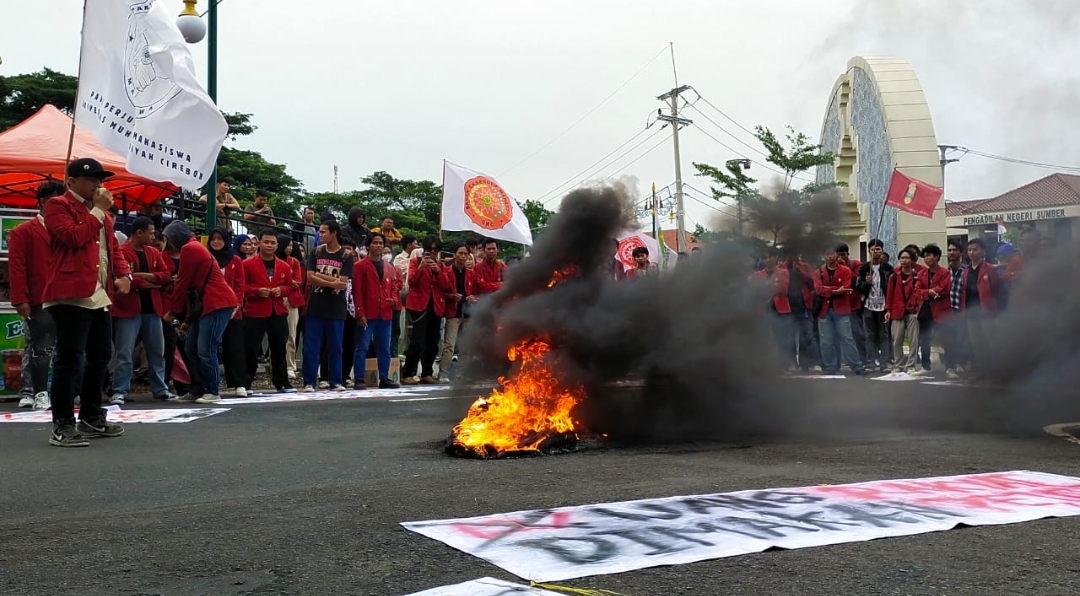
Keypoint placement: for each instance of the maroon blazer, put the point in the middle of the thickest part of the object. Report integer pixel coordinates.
(424, 285)
(824, 288)
(941, 283)
(195, 263)
(255, 278)
(29, 262)
(779, 289)
(129, 305)
(234, 277)
(472, 287)
(900, 301)
(75, 238)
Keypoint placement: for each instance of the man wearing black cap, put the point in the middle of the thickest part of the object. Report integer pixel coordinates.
(87, 267)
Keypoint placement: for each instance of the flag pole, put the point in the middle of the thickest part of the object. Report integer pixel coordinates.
(442, 203)
(78, 82)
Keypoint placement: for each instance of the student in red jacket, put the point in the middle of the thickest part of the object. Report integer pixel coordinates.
(373, 298)
(801, 300)
(855, 301)
(936, 283)
(774, 282)
(903, 300)
(833, 284)
(29, 256)
(234, 355)
(980, 288)
(461, 288)
(490, 271)
(138, 313)
(424, 306)
(268, 280)
(88, 270)
(210, 305)
(289, 251)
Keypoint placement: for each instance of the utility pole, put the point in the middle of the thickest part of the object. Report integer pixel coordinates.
(675, 121)
(335, 179)
(946, 161)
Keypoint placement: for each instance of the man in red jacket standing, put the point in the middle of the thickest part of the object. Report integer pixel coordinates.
(902, 304)
(980, 290)
(490, 271)
(373, 297)
(268, 280)
(936, 284)
(29, 256)
(833, 284)
(774, 281)
(88, 267)
(139, 313)
(461, 288)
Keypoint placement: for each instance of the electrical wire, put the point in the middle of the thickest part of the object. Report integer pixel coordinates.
(725, 131)
(1016, 160)
(554, 193)
(587, 114)
(760, 164)
(705, 203)
(633, 161)
(721, 112)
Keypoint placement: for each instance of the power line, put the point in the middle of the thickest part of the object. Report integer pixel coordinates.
(1015, 160)
(721, 112)
(707, 204)
(587, 114)
(554, 193)
(711, 197)
(632, 162)
(761, 164)
(725, 131)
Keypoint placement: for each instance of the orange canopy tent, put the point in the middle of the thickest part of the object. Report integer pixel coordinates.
(34, 151)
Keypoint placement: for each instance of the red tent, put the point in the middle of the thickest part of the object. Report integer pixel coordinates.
(33, 151)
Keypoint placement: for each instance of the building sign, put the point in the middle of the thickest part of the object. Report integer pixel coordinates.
(1015, 216)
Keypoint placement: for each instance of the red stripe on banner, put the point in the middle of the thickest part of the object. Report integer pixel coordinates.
(987, 492)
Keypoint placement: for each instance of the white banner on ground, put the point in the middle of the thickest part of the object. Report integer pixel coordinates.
(139, 96)
(163, 415)
(895, 376)
(274, 398)
(572, 542)
(487, 586)
(475, 202)
(809, 376)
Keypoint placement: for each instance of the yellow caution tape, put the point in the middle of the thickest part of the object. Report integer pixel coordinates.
(569, 590)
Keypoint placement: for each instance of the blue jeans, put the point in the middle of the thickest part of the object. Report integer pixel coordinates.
(833, 328)
(316, 331)
(126, 331)
(202, 345)
(380, 330)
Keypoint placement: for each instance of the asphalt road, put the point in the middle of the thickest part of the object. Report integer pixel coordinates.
(306, 498)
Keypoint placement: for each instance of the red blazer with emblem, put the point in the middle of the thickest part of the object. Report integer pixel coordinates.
(989, 285)
(824, 288)
(808, 289)
(397, 283)
(489, 276)
(297, 296)
(29, 261)
(472, 287)
(780, 281)
(940, 281)
(899, 300)
(75, 234)
(255, 278)
(235, 278)
(130, 305)
(425, 285)
(195, 264)
(373, 298)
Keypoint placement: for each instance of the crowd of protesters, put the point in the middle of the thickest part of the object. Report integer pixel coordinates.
(877, 316)
(327, 296)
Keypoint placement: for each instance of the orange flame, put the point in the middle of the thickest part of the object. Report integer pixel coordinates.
(532, 406)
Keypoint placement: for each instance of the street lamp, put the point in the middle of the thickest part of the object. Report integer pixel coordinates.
(193, 29)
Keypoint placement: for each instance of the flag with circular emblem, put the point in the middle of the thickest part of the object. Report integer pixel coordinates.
(476, 202)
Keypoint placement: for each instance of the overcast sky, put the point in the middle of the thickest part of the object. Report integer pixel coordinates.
(399, 86)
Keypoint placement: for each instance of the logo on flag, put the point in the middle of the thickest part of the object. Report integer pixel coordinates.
(476, 202)
(139, 95)
(626, 250)
(487, 204)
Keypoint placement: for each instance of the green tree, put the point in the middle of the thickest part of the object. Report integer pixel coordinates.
(22, 95)
(249, 171)
(537, 214)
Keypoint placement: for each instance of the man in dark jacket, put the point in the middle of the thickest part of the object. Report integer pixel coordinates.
(357, 228)
(871, 281)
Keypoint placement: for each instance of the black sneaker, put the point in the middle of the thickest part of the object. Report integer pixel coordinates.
(387, 384)
(99, 428)
(65, 434)
(286, 389)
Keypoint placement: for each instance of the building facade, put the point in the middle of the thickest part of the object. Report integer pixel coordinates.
(1050, 205)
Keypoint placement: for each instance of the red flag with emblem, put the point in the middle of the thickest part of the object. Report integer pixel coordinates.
(913, 196)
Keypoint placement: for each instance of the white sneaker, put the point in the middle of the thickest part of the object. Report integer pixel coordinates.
(308, 389)
(454, 359)
(292, 375)
(42, 401)
(116, 400)
(444, 380)
(952, 374)
(208, 398)
(188, 398)
(324, 385)
(27, 401)
(240, 392)
(919, 372)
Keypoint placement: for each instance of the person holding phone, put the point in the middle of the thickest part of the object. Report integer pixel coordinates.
(424, 305)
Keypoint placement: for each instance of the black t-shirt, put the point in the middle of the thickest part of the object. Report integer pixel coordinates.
(972, 289)
(146, 299)
(460, 285)
(794, 291)
(379, 268)
(269, 268)
(327, 302)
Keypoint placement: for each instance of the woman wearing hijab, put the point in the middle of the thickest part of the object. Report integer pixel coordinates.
(232, 341)
(200, 287)
(242, 246)
(295, 299)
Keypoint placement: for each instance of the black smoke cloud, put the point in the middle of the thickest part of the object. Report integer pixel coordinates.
(696, 337)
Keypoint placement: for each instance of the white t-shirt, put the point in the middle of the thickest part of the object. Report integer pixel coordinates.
(875, 301)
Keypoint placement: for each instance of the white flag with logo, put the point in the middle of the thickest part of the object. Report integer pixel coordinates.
(477, 203)
(139, 95)
(631, 240)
